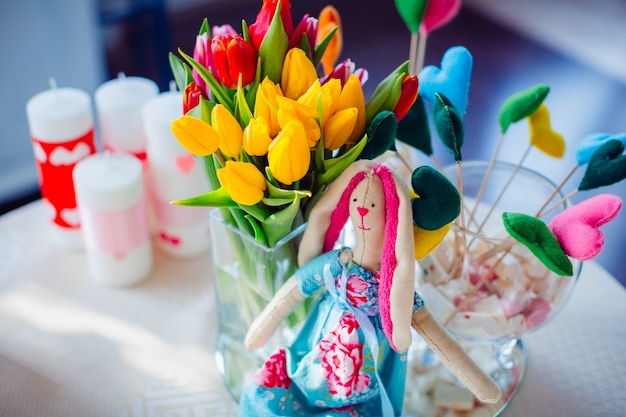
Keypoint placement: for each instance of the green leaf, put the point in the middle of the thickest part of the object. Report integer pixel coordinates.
(278, 225)
(205, 27)
(277, 192)
(414, 129)
(382, 134)
(181, 72)
(203, 110)
(305, 46)
(335, 166)
(208, 165)
(241, 106)
(412, 12)
(449, 125)
(217, 89)
(521, 105)
(320, 48)
(259, 235)
(217, 198)
(274, 48)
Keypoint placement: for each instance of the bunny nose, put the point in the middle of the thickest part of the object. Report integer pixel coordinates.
(362, 211)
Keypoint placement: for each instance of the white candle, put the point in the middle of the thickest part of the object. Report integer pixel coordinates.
(118, 105)
(112, 203)
(175, 174)
(61, 126)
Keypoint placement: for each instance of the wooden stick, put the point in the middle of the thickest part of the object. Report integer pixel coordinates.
(556, 190)
(459, 179)
(558, 203)
(404, 161)
(413, 52)
(436, 162)
(502, 191)
(483, 185)
(421, 51)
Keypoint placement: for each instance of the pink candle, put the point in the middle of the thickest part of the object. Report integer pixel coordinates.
(62, 131)
(175, 174)
(112, 204)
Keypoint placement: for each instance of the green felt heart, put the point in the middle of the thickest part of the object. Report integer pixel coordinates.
(381, 135)
(449, 125)
(535, 235)
(607, 166)
(414, 130)
(439, 202)
(521, 105)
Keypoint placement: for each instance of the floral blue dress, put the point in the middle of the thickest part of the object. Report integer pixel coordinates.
(330, 369)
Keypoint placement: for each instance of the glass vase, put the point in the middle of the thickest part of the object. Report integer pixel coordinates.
(488, 290)
(247, 274)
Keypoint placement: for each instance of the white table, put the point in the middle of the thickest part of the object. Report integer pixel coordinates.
(71, 347)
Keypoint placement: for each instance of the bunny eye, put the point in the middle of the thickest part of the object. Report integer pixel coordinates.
(354, 199)
(373, 205)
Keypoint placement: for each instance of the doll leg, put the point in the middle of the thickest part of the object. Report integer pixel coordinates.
(454, 357)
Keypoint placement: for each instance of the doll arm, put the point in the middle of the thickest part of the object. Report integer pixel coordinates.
(454, 357)
(283, 303)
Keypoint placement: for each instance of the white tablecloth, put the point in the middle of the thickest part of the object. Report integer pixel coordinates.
(71, 347)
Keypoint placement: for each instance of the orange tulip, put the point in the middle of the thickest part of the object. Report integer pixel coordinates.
(329, 19)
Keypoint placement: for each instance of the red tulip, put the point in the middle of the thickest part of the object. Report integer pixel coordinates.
(408, 94)
(258, 29)
(232, 57)
(191, 96)
(308, 26)
(202, 54)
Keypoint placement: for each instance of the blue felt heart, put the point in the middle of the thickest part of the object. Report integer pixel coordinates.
(590, 144)
(452, 79)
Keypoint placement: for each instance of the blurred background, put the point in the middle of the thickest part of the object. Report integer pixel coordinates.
(574, 46)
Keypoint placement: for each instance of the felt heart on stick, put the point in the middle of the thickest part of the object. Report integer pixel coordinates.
(607, 166)
(438, 202)
(542, 136)
(412, 12)
(535, 235)
(452, 79)
(577, 227)
(591, 143)
(414, 129)
(438, 13)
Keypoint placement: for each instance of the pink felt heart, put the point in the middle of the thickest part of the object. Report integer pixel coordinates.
(185, 163)
(439, 13)
(577, 227)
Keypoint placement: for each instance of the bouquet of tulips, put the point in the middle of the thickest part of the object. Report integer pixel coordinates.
(275, 121)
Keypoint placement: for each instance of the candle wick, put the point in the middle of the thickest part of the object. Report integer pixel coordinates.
(121, 75)
(172, 86)
(53, 83)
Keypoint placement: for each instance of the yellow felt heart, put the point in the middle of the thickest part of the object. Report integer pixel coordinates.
(542, 136)
(427, 240)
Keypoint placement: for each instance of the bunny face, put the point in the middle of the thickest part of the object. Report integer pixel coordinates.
(367, 213)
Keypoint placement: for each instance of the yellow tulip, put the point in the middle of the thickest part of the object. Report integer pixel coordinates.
(298, 73)
(195, 135)
(352, 96)
(331, 91)
(310, 97)
(229, 130)
(328, 19)
(243, 182)
(265, 104)
(289, 110)
(339, 127)
(289, 156)
(256, 137)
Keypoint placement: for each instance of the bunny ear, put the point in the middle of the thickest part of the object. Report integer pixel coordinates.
(319, 223)
(397, 285)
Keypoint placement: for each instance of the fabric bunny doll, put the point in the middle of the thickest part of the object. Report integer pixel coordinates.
(349, 358)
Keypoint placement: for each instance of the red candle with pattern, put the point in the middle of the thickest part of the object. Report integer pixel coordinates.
(61, 126)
